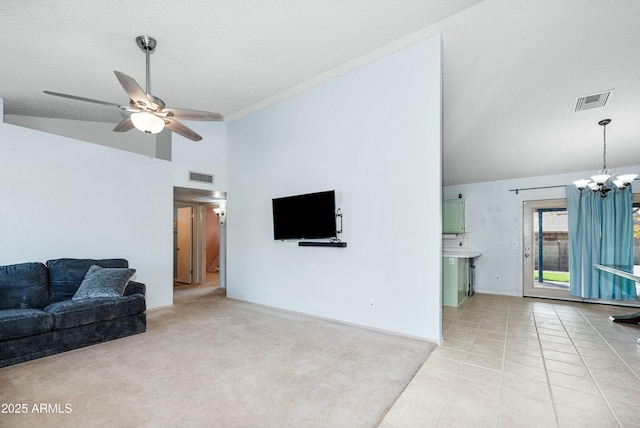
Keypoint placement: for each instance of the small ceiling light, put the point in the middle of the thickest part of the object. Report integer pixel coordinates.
(602, 182)
(147, 122)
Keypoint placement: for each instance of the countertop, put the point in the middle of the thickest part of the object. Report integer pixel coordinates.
(461, 252)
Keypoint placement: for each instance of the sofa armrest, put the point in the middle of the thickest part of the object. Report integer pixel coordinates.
(134, 287)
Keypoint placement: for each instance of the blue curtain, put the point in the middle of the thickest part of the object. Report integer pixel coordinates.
(600, 231)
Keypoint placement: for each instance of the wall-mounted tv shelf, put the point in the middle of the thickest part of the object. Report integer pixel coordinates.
(322, 244)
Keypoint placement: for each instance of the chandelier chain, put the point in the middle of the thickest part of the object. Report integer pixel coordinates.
(604, 151)
(603, 182)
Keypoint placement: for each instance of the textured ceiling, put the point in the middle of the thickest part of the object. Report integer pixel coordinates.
(512, 68)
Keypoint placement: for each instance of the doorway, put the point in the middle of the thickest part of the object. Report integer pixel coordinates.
(183, 243)
(546, 249)
(210, 244)
(199, 237)
(545, 259)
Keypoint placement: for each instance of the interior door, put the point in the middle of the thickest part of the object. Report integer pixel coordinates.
(184, 268)
(201, 259)
(545, 258)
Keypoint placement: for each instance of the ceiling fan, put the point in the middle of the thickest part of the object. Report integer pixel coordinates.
(149, 113)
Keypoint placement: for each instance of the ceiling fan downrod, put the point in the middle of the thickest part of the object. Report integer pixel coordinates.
(148, 45)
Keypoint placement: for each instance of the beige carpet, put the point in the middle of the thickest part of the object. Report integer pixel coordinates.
(209, 361)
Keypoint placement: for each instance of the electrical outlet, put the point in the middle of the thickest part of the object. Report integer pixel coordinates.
(497, 278)
(268, 287)
(372, 302)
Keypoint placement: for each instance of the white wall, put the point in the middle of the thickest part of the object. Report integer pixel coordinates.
(61, 197)
(494, 224)
(373, 135)
(95, 132)
(208, 155)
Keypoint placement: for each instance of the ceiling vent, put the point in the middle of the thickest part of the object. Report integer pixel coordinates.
(592, 101)
(201, 177)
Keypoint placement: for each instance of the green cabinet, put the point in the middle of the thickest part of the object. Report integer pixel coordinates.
(455, 280)
(453, 216)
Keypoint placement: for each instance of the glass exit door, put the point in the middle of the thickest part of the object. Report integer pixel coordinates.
(546, 249)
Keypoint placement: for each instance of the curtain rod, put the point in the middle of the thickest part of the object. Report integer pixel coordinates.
(546, 187)
(536, 188)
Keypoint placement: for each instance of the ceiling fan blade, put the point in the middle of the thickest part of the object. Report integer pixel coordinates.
(178, 128)
(124, 126)
(187, 114)
(88, 100)
(131, 87)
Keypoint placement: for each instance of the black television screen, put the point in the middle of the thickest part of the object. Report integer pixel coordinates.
(308, 216)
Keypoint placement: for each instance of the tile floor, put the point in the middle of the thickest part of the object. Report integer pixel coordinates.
(524, 362)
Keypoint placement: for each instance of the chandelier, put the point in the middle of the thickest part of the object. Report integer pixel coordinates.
(602, 182)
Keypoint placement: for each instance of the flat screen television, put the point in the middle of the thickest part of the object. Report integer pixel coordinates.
(308, 216)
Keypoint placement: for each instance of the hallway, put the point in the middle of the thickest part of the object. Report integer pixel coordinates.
(213, 279)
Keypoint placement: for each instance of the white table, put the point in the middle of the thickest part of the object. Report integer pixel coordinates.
(624, 272)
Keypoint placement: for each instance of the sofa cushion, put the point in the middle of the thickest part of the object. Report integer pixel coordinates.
(104, 282)
(72, 313)
(15, 323)
(25, 285)
(66, 275)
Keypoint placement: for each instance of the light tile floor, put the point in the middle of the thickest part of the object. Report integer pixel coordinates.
(524, 362)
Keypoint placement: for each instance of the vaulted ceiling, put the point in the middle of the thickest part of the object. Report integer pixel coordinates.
(512, 69)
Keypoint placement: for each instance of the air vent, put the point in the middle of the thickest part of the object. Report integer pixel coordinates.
(592, 101)
(201, 177)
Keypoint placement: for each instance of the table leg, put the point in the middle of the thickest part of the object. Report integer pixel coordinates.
(628, 319)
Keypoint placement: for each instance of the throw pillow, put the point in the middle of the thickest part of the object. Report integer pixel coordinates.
(104, 282)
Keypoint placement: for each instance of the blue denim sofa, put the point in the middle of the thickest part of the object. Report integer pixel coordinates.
(39, 317)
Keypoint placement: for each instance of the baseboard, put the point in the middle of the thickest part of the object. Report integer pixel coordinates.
(342, 322)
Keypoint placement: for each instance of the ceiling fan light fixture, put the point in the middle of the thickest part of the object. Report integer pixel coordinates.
(147, 122)
(149, 113)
